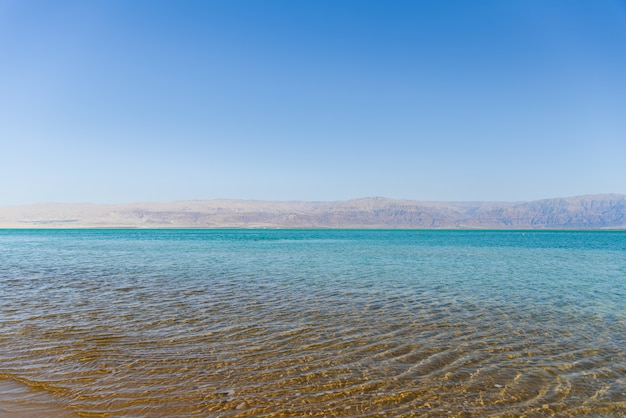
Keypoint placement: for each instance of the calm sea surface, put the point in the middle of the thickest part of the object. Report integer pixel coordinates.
(208, 323)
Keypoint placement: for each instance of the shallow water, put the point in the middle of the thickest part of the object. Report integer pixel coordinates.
(316, 322)
(18, 400)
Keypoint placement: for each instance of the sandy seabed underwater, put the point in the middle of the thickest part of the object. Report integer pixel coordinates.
(264, 323)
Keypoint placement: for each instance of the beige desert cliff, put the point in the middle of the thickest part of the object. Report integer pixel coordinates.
(583, 212)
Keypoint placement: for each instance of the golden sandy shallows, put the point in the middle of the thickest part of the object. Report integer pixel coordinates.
(18, 400)
(326, 323)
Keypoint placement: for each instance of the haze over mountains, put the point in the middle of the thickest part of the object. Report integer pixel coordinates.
(582, 212)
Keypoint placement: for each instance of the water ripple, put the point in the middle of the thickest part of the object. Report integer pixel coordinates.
(243, 331)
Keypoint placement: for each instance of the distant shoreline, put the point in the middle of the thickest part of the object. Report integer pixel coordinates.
(192, 228)
(590, 212)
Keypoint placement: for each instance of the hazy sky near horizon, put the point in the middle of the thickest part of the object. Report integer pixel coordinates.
(112, 101)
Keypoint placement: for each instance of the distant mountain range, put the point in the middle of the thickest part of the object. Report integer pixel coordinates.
(583, 212)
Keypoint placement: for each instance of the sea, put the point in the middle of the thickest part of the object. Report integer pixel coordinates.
(300, 323)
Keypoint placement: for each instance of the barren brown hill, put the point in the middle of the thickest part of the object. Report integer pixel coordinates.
(583, 212)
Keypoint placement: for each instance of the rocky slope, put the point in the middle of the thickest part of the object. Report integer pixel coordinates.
(583, 212)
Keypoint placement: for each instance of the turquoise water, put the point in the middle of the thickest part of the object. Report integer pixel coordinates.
(317, 322)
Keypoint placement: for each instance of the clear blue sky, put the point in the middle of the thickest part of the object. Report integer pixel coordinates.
(111, 101)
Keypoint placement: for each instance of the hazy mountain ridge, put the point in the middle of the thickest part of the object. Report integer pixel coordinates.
(582, 212)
